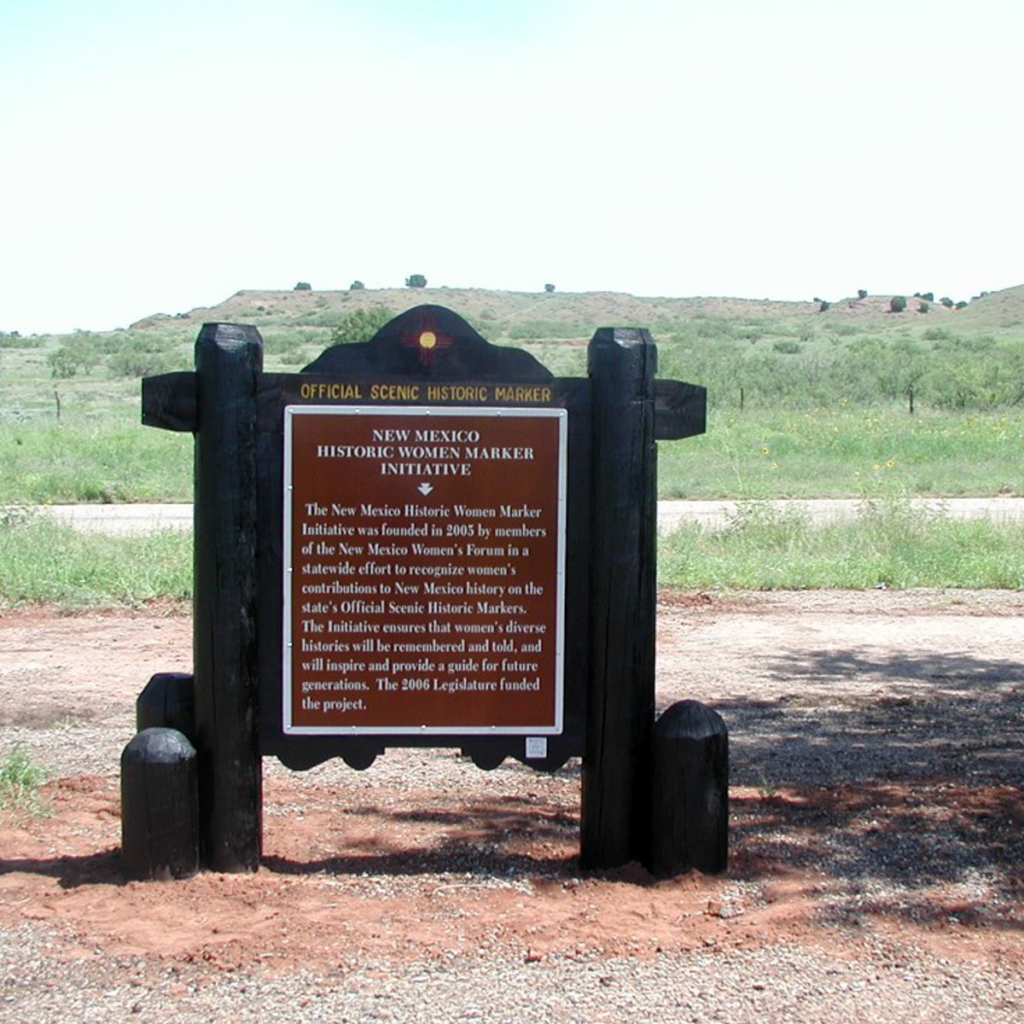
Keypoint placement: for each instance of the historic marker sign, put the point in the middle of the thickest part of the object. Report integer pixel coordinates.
(425, 540)
(424, 560)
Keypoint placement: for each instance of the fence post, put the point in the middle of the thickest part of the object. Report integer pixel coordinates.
(614, 826)
(229, 358)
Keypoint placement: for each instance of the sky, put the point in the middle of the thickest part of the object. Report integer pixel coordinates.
(158, 156)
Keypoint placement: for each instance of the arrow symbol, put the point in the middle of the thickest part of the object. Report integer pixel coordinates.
(425, 489)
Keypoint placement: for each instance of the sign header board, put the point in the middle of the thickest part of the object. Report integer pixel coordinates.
(424, 565)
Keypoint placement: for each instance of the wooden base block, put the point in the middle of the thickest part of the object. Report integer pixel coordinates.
(159, 806)
(690, 791)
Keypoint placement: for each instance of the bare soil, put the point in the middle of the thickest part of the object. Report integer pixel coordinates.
(876, 743)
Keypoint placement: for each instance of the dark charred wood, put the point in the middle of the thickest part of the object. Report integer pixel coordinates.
(168, 702)
(615, 815)
(680, 410)
(159, 806)
(229, 359)
(169, 401)
(690, 791)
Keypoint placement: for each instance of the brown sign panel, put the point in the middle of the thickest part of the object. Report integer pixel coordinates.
(424, 570)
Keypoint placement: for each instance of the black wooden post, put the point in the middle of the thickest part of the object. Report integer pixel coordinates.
(689, 791)
(229, 358)
(615, 813)
(167, 701)
(159, 806)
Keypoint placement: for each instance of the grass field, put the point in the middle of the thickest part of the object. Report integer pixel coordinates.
(801, 403)
(847, 452)
(92, 459)
(830, 453)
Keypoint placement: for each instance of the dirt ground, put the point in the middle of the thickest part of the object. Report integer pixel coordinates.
(876, 751)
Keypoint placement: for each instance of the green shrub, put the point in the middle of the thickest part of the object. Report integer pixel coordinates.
(356, 286)
(360, 325)
(897, 304)
(862, 293)
(549, 288)
(415, 281)
(824, 307)
(946, 301)
(291, 346)
(535, 330)
(77, 353)
(132, 362)
(20, 780)
(713, 327)
(787, 348)
(63, 364)
(303, 286)
(12, 339)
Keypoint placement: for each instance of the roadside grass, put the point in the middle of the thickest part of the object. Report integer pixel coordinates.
(889, 543)
(42, 561)
(20, 780)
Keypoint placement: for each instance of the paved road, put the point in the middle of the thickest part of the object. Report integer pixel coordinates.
(122, 519)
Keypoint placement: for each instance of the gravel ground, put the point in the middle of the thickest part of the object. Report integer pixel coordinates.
(876, 842)
(746, 987)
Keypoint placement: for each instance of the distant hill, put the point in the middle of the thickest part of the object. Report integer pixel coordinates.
(478, 304)
(1001, 310)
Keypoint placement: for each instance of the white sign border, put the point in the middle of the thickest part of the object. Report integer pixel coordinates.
(532, 412)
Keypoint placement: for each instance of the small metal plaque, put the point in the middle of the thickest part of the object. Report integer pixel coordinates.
(536, 747)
